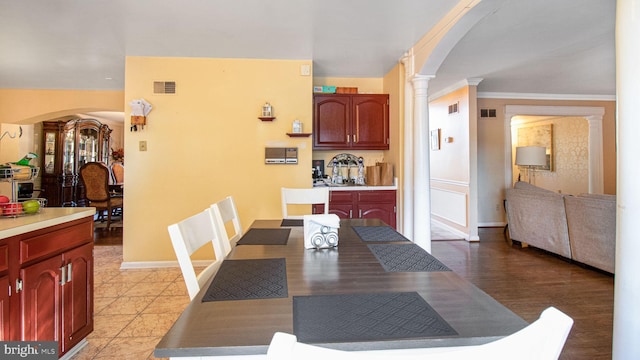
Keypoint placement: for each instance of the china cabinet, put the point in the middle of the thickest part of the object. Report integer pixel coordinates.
(67, 145)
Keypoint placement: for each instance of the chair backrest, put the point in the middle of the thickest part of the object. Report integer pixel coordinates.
(541, 340)
(95, 176)
(225, 211)
(189, 235)
(117, 170)
(316, 195)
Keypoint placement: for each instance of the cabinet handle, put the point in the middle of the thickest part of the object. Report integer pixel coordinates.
(354, 138)
(360, 213)
(350, 214)
(63, 278)
(18, 285)
(347, 137)
(69, 272)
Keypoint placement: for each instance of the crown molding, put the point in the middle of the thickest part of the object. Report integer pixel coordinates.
(538, 96)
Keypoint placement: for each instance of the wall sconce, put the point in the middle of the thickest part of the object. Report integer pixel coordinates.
(531, 156)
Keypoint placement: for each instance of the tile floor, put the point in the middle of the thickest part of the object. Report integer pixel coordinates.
(133, 309)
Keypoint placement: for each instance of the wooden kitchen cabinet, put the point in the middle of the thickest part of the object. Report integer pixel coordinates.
(4, 308)
(351, 121)
(365, 204)
(52, 274)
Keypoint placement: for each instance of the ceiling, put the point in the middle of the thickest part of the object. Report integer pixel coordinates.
(522, 46)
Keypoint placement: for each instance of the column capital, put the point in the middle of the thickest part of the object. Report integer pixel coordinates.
(420, 84)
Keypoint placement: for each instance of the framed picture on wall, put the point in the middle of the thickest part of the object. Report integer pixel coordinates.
(435, 139)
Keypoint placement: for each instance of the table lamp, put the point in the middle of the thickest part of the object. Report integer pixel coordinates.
(531, 156)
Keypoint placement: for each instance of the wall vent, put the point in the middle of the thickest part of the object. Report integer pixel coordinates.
(453, 108)
(164, 87)
(487, 113)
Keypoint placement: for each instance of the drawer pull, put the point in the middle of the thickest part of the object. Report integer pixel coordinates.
(69, 272)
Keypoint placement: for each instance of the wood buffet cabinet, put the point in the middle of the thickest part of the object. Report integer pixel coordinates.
(364, 204)
(46, 284)
(68, 144)
(351, 121)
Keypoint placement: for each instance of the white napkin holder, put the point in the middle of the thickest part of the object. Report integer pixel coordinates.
(321, 231)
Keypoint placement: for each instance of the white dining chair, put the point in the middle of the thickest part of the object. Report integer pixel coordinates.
(541, 340)
(304, 196)
(224, 212)
(189, 235)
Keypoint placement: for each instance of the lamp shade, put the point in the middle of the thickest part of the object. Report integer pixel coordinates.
(531, 155)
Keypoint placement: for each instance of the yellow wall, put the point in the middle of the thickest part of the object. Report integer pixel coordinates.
(206, 142)
(29, 106)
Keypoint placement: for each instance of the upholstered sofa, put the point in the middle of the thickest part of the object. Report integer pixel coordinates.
(582, 227)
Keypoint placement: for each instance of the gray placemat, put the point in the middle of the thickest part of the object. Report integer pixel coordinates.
(405, 257)
(366, 317)
(292, 222)
(265, 237)
(378, 233)
(249, 279)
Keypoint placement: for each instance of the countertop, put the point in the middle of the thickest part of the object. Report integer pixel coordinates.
(10, 226)
(336, 187)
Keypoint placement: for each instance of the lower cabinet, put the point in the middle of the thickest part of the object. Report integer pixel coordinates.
(363, 204)
(51, 297)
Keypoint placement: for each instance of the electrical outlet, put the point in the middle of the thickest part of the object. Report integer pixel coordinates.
(305, 70)
(497, 207)
(142, 145)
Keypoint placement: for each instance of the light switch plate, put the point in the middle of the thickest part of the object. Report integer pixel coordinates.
(142, 145)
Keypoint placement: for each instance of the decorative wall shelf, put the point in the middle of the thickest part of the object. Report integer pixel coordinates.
(266, 118)
(299, 134)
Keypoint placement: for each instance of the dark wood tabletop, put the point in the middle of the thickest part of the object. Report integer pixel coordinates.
(243, 327)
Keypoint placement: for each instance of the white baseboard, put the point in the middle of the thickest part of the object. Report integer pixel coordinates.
(492, 224)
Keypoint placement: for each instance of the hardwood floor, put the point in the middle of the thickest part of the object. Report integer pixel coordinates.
(526, 281)
(529, 280)
(113, 236)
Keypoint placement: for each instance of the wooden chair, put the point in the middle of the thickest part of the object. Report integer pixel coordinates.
(541, 340)
(189, 235)
(317, 195)
(117, 172)
(95, 177)
(224, 211)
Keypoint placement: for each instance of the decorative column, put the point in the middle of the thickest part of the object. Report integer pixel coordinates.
(407, 191)
(596, 158)
(626, 312)
(421, 163)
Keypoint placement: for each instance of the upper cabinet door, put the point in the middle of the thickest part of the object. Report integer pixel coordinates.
(351, 121)
(370, 124)
(332, 122)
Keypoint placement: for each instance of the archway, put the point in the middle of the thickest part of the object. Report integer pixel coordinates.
(594, 117)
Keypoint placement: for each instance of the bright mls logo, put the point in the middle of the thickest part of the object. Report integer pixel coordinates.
(31, 350)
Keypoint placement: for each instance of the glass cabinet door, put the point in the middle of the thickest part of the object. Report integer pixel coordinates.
(68, 156)
(87, 146)
(49, 152)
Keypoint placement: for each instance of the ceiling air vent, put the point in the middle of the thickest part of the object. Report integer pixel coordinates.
(487, 113)
(164, 87)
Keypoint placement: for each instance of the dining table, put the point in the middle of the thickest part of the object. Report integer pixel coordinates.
(375, 290)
